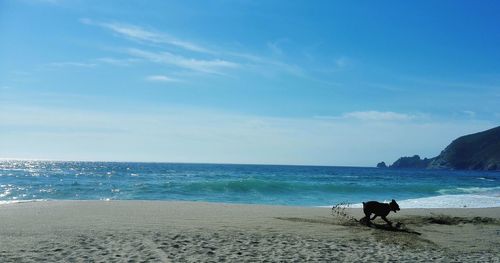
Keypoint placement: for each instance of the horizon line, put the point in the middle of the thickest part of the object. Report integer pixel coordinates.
(169, 162)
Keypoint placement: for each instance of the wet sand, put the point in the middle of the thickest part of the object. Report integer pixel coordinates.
(161, 231)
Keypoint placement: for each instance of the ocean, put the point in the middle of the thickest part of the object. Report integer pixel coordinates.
(22, 181)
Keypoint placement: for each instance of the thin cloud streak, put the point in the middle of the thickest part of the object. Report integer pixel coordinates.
(140, 34)
(160, 78)
(117, 62)
(275, 64)
(385, 116)
(73, 64)
(469, 113)
(206, 66)
(378, 116)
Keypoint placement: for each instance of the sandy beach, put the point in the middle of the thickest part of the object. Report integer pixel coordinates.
(161, 231)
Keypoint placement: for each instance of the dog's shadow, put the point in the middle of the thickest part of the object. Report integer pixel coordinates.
(398, 228)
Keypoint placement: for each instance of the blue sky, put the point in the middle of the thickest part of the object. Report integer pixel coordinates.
(291, 82)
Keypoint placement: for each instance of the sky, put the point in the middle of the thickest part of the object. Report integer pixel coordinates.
(346, 83)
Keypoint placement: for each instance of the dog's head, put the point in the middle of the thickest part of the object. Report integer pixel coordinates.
(394, 206)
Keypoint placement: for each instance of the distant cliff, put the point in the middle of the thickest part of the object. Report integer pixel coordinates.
(478, 151)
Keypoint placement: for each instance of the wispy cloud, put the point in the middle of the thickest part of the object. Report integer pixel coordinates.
(140, 34)
(117, 61)
(72, 64)
(266, 64)
(207, 66)
(378, 116)
(469, 113)
(89, 63)
(372, 116)
(196, 57)
(160, 78)
(213, 61)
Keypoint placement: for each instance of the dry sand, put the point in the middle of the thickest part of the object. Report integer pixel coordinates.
(160, 231)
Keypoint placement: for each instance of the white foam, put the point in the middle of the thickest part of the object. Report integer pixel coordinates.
(452, 201)
(447, 201)
(471, 190)
(486, 179)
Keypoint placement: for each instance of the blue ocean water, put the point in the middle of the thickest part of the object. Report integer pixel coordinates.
(250, 184)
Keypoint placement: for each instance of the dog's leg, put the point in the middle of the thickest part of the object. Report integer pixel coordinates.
(385, 219)
(374, 216)
(367, 217)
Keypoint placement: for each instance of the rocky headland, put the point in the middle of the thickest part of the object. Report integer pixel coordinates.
(478, 151)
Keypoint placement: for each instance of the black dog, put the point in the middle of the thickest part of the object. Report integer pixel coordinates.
(379, 209)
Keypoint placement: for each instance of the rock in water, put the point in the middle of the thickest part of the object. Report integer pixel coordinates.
(411, 162)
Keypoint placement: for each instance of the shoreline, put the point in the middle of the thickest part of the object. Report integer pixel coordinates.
(172, 231)
(404, 204)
